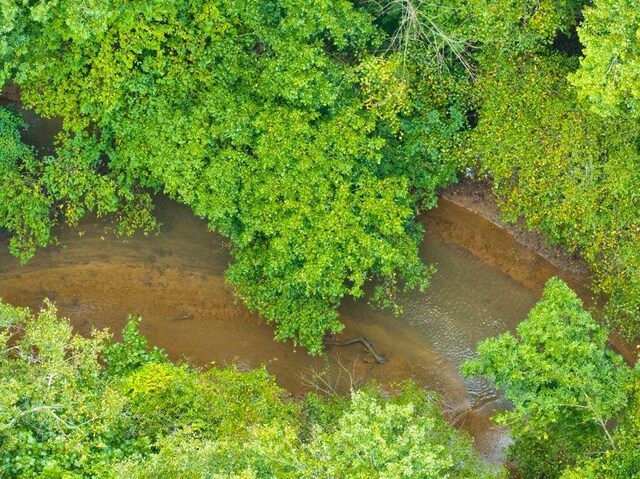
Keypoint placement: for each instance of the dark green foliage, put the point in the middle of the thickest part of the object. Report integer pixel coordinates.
(623, 461)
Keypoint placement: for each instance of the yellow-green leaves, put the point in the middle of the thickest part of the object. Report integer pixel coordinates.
(39, 192)
(569, 173)
(65, 413)
(276, 120)
(609, 73)
(520, 26)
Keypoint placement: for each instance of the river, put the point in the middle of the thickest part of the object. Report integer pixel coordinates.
(485, 284)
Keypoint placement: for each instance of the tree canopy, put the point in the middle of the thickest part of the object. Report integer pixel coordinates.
(565, 384)
(39, 191)
(274, 120)
(76, 406)
(311, 134)
(559, 167)
(609, 73)
(623, 461)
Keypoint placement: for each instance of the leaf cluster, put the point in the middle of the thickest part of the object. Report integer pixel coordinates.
(565, 384)
(38, 192)
(567, 172)
(277, 121)
(85, 407)
(608, 75)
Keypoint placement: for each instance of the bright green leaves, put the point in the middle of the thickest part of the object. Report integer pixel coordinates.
(521, 26)
(572, 175)
(271, 119)
(386, 92)
(24, 207)
(558, 362)
(56, 414)
(63, 413)
(165, 399)
(316, 224)
(568, 172)
(609, 73)
(564, 383)
(404, 437)
(132, 353)
(371, 437)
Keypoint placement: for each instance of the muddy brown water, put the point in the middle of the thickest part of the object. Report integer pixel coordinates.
(175, 282)
(485, 284)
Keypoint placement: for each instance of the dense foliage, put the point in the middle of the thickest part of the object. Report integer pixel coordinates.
(609, 74)
(503, 28)
(85, 407)
(558, 137)
(36, 193)
(557, 165)
(566, 386)
(623, 460)
(310, 133)
(274, 120)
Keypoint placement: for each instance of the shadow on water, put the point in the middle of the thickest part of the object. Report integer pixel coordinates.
(485, 284)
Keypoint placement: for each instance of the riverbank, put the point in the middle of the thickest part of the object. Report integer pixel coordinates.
(477, 197)
(530, 260)
(488, 278)
(175, 282)
(468, 215)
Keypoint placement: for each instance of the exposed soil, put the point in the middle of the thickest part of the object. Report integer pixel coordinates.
(530, 260)
(10, 93)
(476, 196)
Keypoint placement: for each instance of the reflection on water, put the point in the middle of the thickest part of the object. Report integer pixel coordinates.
(467, 301)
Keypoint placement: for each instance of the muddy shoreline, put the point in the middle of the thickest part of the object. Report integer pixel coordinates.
(531, 261)
(477, 197)
(523, 255)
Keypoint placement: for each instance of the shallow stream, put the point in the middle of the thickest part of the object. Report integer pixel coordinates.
(484, 285)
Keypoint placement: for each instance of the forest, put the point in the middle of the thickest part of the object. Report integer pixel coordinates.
(311, 135)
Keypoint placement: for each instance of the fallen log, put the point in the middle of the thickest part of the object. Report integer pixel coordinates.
(329, 341)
